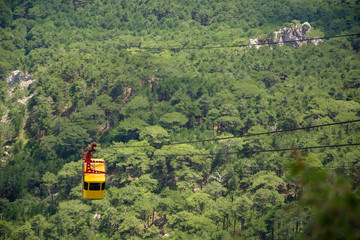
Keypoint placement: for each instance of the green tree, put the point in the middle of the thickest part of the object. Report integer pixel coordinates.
(174, 120)
(137, 107)
(90, 118)
(191, 223)
(198, 202)
(265, 199)
(266, 180)
(24, 232)
(155, 135)
(337, 213)
(6, 15)
(68, 177)
(50, 181)
(185, 170)
(6, 229)
(17, 114)
(146, 207)
(241, 211)
(71, 139)
(78, 92)
(131, 226)
(42, 228)
(39, 122)
(71, 217)
(105, 102)
(214, 189)
(153, 232)
(110, 220)
(131, 160)
(128, 129)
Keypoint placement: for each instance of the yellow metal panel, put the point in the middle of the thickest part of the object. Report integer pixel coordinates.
(90, 177)
(88, 194)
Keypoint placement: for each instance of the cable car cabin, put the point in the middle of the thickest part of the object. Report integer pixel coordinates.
(94, 183)
(93, 175)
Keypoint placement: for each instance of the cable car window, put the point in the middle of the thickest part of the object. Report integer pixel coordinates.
(86, 185)
(103, 186)
(94, 186)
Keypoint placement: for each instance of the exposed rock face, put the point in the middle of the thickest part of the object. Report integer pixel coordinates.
(25, 99)
(17, 76)
(97, 216)
(24, 80)
(127, 93)
(256, 42)
(294, 36)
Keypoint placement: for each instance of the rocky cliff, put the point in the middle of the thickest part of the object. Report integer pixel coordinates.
(295, 36)
(24, 80)
(19, 77)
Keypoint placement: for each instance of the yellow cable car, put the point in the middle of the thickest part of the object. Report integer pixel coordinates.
(93, 176)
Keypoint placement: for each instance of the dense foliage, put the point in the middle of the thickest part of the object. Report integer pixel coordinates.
(137, 76)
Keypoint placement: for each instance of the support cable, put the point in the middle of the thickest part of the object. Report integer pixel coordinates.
(177, 49)
(247, 152)
(251, 134)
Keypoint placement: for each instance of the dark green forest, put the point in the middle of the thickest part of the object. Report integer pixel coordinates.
(149, 81)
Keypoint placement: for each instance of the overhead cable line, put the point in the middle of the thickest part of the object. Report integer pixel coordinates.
(247, 151)
(256, 168)
(307, 148)
(251, 134)
(246, 45)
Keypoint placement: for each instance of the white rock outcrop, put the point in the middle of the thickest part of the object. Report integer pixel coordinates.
(18, 77)
(23, 79)
(295, 36)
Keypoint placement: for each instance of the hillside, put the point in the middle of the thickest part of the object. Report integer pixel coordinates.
(205, 133)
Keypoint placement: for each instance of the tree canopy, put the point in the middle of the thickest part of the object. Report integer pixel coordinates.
(180, 109)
